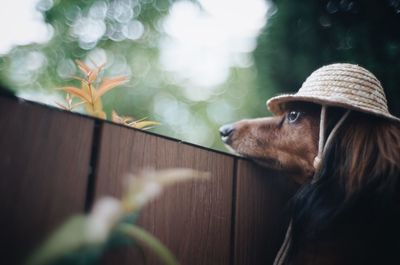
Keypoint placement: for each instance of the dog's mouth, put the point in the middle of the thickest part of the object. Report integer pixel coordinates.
(231, 149)
(226, 141)
(226, 133)
(262, 161)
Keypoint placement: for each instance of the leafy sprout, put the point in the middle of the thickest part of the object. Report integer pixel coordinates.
(90, 95)
(131, 122)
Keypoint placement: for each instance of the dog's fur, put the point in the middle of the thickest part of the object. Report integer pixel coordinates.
(351, 213)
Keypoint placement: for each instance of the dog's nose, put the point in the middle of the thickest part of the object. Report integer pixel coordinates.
(226, 130)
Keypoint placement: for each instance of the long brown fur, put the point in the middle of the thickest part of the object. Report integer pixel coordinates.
(350, 213)
(371, 148)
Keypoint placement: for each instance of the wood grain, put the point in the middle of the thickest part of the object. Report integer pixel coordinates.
(44, 163)
(261, 202)
(193, 219)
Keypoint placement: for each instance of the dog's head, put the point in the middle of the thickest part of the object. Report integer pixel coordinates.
(288, 142)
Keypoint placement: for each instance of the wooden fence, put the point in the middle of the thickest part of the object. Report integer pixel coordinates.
(54, 164)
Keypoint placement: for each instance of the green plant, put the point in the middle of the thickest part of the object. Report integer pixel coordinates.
(83, 238)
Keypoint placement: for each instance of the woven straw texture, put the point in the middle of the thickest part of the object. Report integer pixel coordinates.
(343, 85)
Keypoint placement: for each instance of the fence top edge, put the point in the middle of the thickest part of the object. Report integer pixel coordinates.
(97, 120)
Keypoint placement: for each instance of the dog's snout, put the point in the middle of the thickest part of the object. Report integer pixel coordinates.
(226, 130)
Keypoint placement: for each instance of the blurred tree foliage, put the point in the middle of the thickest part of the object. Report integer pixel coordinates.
(303, 35)
(127, 33)
(299, 37)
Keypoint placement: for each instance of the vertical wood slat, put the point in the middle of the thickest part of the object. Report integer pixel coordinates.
(261, 213)
(193, 219)
(44, 162)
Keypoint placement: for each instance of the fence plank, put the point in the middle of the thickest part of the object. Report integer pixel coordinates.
(192, 219)
(44, 162)
(261, 199)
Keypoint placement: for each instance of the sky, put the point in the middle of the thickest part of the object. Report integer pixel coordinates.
(21, 24)
(204, 40)
(215, 33)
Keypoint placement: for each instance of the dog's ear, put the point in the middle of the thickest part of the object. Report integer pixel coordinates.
(365, 150)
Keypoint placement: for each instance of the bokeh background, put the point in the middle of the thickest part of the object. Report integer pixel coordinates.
(194, 65)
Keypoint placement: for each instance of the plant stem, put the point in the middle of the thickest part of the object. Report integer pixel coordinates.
(91, 95)
(148, 240)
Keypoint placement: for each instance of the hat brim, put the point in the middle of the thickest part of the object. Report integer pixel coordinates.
(277, 104)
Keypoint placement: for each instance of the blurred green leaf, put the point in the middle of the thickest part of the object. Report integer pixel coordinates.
(148, 240)
(68, 245)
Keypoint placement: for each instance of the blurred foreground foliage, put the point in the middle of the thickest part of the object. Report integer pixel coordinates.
(83, 239)
(299, 37)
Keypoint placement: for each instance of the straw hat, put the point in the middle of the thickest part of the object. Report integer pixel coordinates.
(343, 85)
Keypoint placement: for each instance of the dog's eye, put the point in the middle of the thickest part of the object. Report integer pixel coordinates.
(293, 116)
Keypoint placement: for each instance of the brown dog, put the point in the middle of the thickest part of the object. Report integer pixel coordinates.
(349, 214)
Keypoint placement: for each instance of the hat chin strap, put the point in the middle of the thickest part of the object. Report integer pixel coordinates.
(322, 145)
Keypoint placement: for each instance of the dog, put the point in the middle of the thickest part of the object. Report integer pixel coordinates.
(347, 209)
